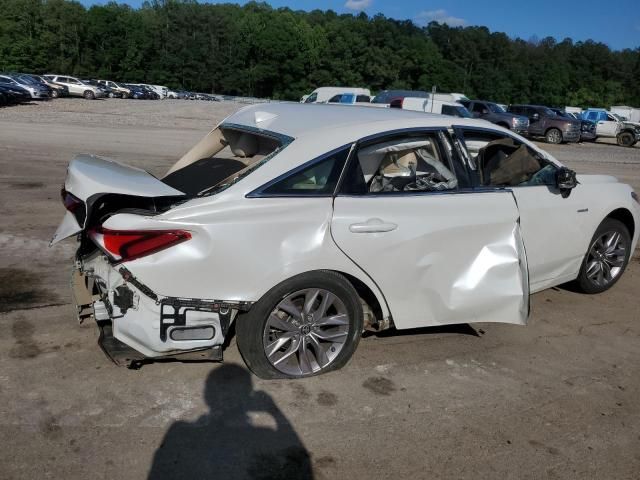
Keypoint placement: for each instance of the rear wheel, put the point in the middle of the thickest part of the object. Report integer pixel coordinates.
(125, 95)
(554, 136)
(607, 257)
(54, 93)
(307, 325)
(89, 95)
(626, 139)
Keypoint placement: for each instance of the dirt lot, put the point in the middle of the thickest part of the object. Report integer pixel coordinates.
(555, 399)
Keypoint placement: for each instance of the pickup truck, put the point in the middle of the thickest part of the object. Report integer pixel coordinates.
(494, 113)
(543, 122)
(610, 125)
(587, 127)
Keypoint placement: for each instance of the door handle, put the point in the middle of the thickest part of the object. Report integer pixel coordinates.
(373, 225)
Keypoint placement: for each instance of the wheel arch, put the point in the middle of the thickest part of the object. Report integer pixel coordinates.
(623, 215)
(366, 294)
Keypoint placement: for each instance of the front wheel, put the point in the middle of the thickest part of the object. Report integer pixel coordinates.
(554, 136)
(55, 93)
(607, 257)
(626, 139)
(307, 325)
(89, 95)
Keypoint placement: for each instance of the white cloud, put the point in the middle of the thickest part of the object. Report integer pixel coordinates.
(358, 4)
(440, 16)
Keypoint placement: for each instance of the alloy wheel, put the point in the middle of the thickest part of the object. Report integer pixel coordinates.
(306, 331)
(606, 258)
(554, 136)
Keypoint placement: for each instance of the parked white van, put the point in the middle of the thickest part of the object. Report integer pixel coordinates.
(324, 94)
(430, 105)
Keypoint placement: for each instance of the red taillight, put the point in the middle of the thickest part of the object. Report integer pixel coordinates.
(71, 202)
(124, 245)
(396, 102)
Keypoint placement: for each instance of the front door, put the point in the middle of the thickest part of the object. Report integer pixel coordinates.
(551, 222)
(440, 252)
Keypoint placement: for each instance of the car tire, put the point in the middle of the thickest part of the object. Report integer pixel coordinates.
(626, 139)
(89, 95)
(54, 93)
(280, 337)
(554, 136)
(607, 257)
(125, 95)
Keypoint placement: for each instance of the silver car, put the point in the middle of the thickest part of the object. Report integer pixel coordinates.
(77, 88)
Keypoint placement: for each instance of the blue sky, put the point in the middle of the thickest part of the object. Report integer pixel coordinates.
(616, 23)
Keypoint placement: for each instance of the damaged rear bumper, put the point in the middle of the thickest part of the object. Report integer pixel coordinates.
(137, 324)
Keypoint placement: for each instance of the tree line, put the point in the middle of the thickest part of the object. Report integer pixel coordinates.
(257, 50)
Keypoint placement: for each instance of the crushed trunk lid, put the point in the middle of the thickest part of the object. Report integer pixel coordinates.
(90, 177)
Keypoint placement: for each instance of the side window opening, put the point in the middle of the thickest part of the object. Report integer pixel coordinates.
(413, 163)
(320, 178)
(503, 161)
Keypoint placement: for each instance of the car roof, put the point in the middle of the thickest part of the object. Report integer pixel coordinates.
(298, 119)
(527, 105)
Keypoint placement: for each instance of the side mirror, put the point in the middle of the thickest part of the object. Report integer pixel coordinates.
(566, 181)
(535, 116)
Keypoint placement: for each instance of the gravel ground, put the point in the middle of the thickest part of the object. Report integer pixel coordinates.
(557, 399)
(114, 112)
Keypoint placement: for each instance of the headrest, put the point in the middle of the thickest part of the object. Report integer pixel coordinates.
(244, 145)
(399, 163)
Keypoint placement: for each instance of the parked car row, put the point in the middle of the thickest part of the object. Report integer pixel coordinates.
(23, 87)
(554, 125)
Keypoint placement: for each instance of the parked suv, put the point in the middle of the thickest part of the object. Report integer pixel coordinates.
(77, 88)
(543, 122)
(494, 113)
(611, 125)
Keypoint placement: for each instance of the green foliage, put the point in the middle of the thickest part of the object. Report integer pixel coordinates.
(280, 53)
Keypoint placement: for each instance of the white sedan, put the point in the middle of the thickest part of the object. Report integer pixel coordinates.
(307, 224)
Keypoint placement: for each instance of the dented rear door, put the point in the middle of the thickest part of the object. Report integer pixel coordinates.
(442, 258)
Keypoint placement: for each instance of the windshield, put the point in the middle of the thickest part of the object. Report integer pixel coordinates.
(495, 108)
(456, 111)
(28, 80)
(547, 112)
(619, 117)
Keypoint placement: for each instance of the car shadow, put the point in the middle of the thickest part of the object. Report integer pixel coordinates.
(243, 436)
(458, 329)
